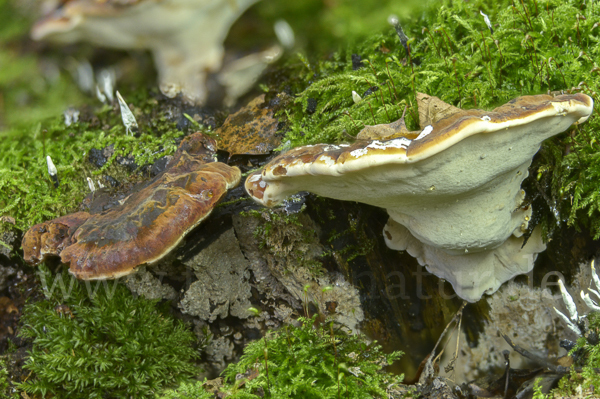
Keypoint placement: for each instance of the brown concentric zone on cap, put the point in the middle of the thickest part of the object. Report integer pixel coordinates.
(444, 133)
(149, 224)
(520, 111)
(327, 159)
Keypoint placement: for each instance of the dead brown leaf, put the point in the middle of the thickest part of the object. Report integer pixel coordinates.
(387, 131)
(7, 219)
(7, 306)
(252, 130)
(432, 109)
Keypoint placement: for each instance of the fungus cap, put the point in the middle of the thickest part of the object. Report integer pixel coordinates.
(455, 187)
(148, 224)
(51, 237)
(185, 36)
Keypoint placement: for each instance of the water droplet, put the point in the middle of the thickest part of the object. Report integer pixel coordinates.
(206, 194)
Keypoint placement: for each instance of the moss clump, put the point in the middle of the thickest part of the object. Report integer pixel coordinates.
(5, 387)
(584, 380)
(535, 47)
(306, 362)
(97, 340)
(288, 235)
(26, 192)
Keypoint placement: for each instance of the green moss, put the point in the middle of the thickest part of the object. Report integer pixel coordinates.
(26, 192)
(5, 386)
(97, 340)
(537, 391)
(588, 353)
(536, 47)
(286, 235)
(310, 361)
(188, 390)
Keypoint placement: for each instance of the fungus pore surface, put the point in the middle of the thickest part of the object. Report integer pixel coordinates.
(452, 190)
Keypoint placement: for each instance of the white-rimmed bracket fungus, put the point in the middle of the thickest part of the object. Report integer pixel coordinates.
(185, 36)
(453, 190)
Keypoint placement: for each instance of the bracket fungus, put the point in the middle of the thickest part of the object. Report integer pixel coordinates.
(185, 36)
(147, 225)
(452, 191)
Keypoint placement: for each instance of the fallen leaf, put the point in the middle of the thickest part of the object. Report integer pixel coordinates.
(432, 109)
(7, 219)
(252, 130)
(387, 131)
(7, 306)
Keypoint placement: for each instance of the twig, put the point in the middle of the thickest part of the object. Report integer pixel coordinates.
(428, 367)
(507, 372)
(372, 113)
(535, 358)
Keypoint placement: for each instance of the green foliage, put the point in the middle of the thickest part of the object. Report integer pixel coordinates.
(536, 47)
(191, 390)
(97, 340)
(286, 235)
(26, 191)
(5, 388)
(306, 362)
(537, 391)
(586, 379)
(314, 362)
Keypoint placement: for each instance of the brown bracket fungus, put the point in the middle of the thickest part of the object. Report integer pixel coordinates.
(453, 192)
(185, 36)
(50, 238)
(149, 223)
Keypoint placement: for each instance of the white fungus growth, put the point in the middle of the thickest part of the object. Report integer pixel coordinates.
(106, 83)
(285, 34)
(127, 116)
(91, 184)
(572, 322)
(100, 96)
(83, 73)
(487, 21)
(51, 168)
(71, 116)
(359, 152)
